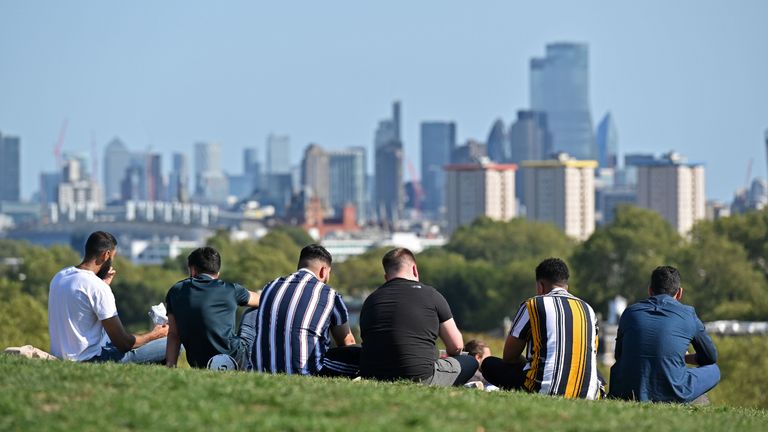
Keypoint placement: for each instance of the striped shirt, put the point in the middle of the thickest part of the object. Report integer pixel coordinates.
(292, 326)
(561, 334)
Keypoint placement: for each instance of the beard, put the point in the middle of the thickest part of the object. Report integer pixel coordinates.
(104, 269)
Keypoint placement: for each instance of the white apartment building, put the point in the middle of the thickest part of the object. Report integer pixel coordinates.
(673, 189)
(484, 189)
(562, 191)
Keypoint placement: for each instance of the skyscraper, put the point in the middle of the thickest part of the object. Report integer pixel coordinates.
(674, 189)
(10, 173)
(315, 175)
(471, 152)
(347, 180)
(389, 168)
(559, 87)
(498, 143)
(252, 167)
(117, 159)
(278, 154)
(210, 182)
(529, 139)
(562, 191)
(607, 142)
(438, 140)
(178, 180)
(480, 189)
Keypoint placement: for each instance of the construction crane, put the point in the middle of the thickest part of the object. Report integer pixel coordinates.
(60, 143)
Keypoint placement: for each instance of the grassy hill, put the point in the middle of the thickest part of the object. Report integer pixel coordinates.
(53, 396)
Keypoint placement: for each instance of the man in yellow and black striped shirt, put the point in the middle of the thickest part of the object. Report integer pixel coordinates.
(559, 331)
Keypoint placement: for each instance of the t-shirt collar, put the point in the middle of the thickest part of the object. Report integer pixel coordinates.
(204, 276)
(310, 272)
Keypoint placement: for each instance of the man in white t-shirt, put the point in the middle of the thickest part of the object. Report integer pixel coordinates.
(82, 316)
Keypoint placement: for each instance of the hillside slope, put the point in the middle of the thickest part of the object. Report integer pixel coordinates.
(55, 396)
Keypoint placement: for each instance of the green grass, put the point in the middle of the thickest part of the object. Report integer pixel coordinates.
(53, 396)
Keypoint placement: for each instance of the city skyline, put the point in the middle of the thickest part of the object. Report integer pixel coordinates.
(127, 73)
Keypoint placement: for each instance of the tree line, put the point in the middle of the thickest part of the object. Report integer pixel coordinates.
(485, 270)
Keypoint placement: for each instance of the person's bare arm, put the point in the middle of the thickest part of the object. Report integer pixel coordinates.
(451, 337)
(125, 341)
(513, 350)
(254, 298)
(174, 343)
(342, 335)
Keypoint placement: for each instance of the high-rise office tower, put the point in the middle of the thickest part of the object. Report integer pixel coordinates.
(210, 182)
(498, 143)
(389, 168)
(607, 142)
(252, 167)
(529, 139)
(470, 153)
(347, 181)
(562, 191)
(479, 189)
(49, 187)
(674, 189)
(10, 171)
(559, 87)
(315, 174)
(155, 178)
(278, 154)
(178, 180)
(438, 141)
(117, 159)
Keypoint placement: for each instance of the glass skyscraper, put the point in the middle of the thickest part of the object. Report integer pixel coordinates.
(559, 87)
(607, 142)
(438, 140)
(10, 175)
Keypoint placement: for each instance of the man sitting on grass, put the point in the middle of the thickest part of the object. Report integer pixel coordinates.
(399, 324)
(299, 313)
(202, 312)
(82, 315)
(651, 344)
(560, 333)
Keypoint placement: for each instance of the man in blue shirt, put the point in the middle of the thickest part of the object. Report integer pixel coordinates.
(653, 337)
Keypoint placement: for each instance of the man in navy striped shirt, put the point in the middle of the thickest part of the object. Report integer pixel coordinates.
(298, 315)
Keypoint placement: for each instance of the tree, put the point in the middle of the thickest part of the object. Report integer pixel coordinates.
(719, 279)
(502, 243)
(619, 257)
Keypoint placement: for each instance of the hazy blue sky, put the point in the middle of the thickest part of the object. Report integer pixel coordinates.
(684, 75)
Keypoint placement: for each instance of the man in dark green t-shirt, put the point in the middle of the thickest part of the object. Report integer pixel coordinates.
(202, 312)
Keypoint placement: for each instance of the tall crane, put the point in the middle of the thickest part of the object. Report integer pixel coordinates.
(60, 143)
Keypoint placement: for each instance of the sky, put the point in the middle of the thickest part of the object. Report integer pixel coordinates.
(690, 76)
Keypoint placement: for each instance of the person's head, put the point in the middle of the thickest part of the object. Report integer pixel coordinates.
(400, 263)
(477, 349)
(551, 273)
(100, 249)
(665, 280)
(204, 260)
(317, 259)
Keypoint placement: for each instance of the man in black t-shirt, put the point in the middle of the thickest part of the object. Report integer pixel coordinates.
(399, 324)
(202, 312)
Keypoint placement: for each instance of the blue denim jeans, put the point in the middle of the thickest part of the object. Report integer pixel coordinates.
(152, 352)
(705, 378)
(248, 334)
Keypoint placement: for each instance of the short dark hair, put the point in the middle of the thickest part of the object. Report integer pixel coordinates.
(396, 258)
(665, 280)
(98, 243)
(475, 347)
(314, 252)
(205, 260)
(552, 270)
